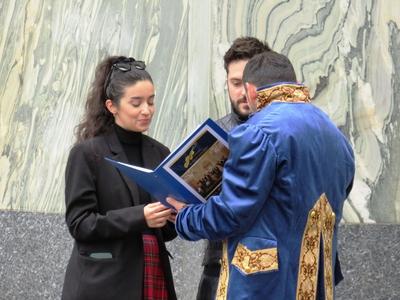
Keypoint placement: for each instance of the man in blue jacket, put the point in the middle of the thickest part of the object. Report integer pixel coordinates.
(284, 184)
(235, 59)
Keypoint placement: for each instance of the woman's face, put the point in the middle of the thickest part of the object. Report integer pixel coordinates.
(136, 107)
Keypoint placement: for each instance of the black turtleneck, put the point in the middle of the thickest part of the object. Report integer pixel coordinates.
(131, 142)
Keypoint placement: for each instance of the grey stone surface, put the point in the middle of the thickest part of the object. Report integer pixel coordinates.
(34, 249)
(370, 256)
(33, 253)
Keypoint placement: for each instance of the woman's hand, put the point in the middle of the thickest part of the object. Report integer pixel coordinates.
(156, 214)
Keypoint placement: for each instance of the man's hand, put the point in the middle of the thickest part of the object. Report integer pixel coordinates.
(156, 214)
(178, 205)
(172, 217)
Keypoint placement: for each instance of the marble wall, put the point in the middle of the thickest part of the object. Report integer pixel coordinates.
(347, 52)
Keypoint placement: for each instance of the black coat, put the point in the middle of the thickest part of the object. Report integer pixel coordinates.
(104, 215)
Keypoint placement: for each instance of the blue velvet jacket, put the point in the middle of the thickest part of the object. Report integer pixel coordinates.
(284, 184)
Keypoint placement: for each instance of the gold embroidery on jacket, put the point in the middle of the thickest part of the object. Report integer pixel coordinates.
(320, 222)
(250, 262)
(284, 93)
(327, 236)
(222, 290)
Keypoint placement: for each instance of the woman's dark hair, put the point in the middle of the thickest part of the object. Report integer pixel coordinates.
(244, 48)
(112, 76)
(268, 68)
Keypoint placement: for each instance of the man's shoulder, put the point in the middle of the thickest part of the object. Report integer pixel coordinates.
(228, 122)
(224, 118)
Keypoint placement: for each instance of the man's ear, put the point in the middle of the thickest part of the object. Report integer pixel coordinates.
(251, 90)
(111, 106)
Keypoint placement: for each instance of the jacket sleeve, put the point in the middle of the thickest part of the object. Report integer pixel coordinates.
(247, 179)
(83, 218)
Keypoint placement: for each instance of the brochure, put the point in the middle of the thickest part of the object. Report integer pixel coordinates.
(192, 173)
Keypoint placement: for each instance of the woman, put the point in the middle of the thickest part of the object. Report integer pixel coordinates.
(119, 251)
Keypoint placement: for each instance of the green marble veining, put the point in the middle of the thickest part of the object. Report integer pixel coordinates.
(345, 51)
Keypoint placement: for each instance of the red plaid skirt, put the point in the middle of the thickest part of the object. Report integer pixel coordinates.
(154, 285)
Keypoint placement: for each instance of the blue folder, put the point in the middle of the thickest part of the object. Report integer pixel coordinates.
(191, 173)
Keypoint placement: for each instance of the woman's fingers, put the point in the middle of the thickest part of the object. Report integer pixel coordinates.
(157, 224)
(156, 206)
(163, 214)
(156, 214)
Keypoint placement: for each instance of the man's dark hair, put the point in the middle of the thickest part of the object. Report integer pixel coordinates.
(268, 68)
(244, 48)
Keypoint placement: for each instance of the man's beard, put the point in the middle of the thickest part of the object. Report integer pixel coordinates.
(235, 109)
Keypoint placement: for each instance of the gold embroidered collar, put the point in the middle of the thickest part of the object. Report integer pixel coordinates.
(287, 92)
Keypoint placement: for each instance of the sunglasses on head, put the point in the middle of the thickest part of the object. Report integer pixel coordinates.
(123, 65)
(126, 64)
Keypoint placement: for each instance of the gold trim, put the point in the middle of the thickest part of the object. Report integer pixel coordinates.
(222, 290)
(250, 262)
(320, 222)
(328, 229)
(284, 93)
